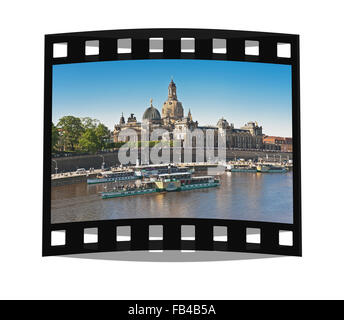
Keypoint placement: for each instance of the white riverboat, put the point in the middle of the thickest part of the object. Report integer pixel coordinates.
(109, 176)
(182, 181)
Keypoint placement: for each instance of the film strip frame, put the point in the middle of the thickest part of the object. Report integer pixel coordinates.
(203, 48)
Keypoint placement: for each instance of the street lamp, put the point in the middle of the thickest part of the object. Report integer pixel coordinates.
(103, 164)
(55, 166)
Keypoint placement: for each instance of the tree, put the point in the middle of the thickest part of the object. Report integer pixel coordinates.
(54, 136)
(103, 134)
(71, 131)
(89, 123)
(85, 134)
(89, 141)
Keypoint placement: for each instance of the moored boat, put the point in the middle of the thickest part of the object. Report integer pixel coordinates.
(200, 182)
(114, 176)
(243, 168)
(172, 181)
(271, 169)
(144, 188)
(155, 170)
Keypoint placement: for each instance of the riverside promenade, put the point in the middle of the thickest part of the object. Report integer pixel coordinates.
(72, 163)
(65, 178)
(72, 177)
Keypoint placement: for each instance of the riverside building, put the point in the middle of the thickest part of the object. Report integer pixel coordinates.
(175, 125)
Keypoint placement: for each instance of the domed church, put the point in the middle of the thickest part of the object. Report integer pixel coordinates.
(172, 117)
(176, 125)
(152, 114)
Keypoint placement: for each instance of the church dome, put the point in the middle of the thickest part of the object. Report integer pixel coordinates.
(151, 113)
(222, 123)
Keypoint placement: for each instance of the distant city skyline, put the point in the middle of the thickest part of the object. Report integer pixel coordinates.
(238, 91)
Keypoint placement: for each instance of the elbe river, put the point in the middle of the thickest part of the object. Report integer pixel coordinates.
(241, 196)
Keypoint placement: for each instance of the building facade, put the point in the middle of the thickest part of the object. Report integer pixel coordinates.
(176, 126)
(284, 144)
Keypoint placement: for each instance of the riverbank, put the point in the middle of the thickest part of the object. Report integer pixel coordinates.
(72, 163)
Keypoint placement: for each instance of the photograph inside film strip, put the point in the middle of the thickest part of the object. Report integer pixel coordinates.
(172, 140)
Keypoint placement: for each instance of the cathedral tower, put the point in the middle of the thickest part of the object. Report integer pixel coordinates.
(172, 91)
(172, 109)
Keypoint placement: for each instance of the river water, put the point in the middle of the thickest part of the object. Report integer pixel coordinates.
(241, 196)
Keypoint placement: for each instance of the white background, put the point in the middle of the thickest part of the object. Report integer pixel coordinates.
(25, 274)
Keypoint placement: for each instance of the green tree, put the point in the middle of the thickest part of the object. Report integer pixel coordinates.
(71, 131)
(54, 137)
(103, 134)
(89, 123)
(89, 141)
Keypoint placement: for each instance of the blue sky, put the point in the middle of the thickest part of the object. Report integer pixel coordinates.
(238, 91)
